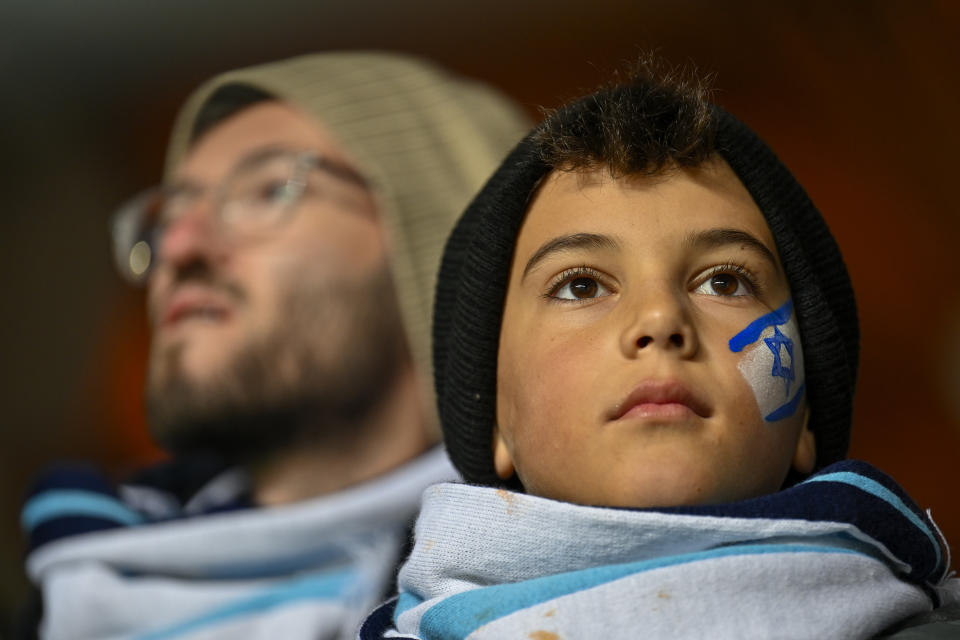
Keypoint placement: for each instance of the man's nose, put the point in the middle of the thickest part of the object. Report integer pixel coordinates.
(658, 318)
(193, 235)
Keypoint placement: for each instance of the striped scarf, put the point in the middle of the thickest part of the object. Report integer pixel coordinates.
(844, 554)
(109, 569)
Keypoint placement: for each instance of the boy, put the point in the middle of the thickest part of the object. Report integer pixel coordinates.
(643, 310)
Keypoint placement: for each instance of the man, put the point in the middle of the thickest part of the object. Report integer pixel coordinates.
(290, 260)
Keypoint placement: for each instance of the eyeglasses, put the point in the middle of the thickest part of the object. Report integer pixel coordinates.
(256, 197)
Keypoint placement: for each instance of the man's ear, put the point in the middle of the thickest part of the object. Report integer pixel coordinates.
(502, 460)
(805, 455)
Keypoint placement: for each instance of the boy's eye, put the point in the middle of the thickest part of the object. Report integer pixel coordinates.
(724, 284)
(579, 288)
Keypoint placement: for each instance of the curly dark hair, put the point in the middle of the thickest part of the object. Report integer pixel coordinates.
(658, 117)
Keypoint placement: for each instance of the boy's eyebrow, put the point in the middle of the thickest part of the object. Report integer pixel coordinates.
(567, 243)
(713, 238)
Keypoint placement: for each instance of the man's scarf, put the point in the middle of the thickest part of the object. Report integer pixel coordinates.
(312, 569)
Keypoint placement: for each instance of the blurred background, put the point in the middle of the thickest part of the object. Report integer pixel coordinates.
(860, 99)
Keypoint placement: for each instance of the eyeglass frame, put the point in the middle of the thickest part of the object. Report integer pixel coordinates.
(128, 220)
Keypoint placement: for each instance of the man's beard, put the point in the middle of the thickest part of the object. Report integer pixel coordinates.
(317, 376)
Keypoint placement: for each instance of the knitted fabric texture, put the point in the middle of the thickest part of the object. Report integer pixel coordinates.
(844, 554)
(475, 268)
(426, 139)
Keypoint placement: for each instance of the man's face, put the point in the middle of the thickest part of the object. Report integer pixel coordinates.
(301, 317)
(632, 367)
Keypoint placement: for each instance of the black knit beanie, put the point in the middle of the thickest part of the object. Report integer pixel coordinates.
(472, 285)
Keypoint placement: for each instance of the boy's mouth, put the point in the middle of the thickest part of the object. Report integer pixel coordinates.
(661, 399)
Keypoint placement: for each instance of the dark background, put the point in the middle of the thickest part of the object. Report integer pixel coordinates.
(859, 98)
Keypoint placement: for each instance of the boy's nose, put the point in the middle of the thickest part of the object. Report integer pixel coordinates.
(659, 320)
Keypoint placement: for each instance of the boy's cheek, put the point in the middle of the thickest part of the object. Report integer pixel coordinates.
(772, 367)
(535, 389)
(543, 394)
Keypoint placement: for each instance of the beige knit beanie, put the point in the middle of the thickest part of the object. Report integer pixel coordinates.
(426, 139)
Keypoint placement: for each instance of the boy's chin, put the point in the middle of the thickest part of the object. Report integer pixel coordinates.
(652, 489)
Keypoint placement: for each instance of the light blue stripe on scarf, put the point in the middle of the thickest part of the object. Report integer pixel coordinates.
(328, 586)
(457, 616)
(405, 602)
(65, 503)
(874, 488)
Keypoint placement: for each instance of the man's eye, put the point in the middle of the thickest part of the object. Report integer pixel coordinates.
(277, 191)
(580, 288)
(724, 284)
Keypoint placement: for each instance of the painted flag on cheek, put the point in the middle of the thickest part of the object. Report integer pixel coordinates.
(772, 362)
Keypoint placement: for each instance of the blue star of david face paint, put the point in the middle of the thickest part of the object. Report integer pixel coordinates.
(772, 362)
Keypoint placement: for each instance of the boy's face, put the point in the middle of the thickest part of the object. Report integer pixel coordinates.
(618, 381)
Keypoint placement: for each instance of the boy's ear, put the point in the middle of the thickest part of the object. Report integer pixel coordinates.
(805, 455)
(502, 460)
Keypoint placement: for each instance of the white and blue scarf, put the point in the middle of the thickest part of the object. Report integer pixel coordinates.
(845, 554)
(109, 570)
